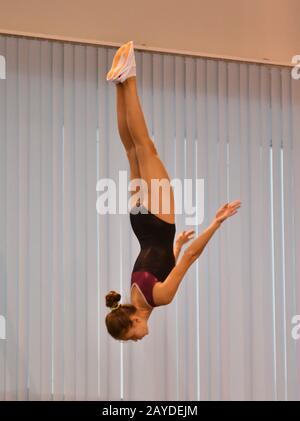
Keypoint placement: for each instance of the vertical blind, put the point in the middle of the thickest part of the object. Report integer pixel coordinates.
(227, 334)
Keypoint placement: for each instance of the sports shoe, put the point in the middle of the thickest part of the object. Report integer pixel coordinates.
(123, 65)
(129, 72)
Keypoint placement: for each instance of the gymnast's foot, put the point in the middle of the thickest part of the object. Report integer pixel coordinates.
(123, 65)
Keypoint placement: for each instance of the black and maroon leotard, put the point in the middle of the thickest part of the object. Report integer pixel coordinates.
(156, 258)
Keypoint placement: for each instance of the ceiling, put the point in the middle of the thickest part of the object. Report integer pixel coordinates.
(258, 30)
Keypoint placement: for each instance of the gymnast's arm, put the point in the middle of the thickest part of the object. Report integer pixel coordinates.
(164, 292)
(177, 250)
(181, 239)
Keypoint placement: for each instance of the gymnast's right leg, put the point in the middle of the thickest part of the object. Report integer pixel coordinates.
(126, 136)
(150, 164)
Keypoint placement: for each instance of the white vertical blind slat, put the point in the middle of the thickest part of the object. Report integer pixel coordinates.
(102, 233)
(181, 299)
(260, 302)
(12, 226)
(235, 281)
(93, 298)
(23, 219)
(46, 220)
(278, 238)
(202, 264)
(265, 255)
(246, 227)
(57, 296)
(288, 203)
(224, 233)
(69, 225)
(295, 123)
(256, 240)
(3, 272)
(35, 222)
(80, 281)
(169, 162)
(213, 250)
(190, 278)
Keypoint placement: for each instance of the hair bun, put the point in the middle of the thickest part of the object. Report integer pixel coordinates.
(112, 299)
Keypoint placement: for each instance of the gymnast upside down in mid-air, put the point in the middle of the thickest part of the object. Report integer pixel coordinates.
(157, 272)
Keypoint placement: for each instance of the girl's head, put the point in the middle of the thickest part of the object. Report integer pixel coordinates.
(124, 323)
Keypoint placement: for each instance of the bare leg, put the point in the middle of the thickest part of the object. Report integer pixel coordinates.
(125, 134)
(150, 164)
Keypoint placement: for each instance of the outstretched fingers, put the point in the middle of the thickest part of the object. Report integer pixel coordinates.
(235, 203)
(189, 233)
(234, 206)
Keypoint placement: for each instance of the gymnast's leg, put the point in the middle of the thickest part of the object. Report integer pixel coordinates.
(150, 164)
(125, 135)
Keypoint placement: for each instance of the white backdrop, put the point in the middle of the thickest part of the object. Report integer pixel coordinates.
(227, 334)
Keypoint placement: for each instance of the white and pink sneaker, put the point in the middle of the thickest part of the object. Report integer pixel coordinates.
(123, 65)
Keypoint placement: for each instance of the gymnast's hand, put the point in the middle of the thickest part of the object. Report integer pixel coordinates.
(227, 210)
(184, 237)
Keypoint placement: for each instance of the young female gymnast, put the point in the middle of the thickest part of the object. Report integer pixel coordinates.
(157, 272)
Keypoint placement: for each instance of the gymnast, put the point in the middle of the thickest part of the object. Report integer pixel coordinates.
(157, 271)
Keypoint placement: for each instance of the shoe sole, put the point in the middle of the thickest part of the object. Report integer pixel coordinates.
(120, 60)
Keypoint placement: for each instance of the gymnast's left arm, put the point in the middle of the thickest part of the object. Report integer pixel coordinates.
(164, 292)
(181, 239)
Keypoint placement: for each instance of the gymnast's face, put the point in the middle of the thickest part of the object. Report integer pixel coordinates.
(138, 330)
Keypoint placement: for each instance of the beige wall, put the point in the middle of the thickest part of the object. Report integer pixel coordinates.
(248, 29)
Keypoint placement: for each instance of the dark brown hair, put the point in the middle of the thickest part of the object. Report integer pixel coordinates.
(118, 321)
